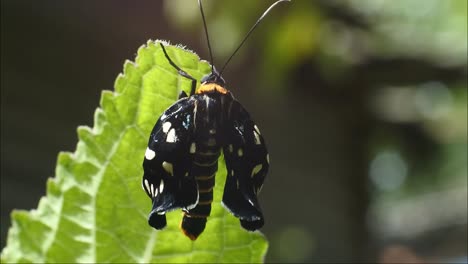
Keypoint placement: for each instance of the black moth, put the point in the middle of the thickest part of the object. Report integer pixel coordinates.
(181, 160)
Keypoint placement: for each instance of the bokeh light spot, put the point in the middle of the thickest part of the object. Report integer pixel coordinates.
(388, 170)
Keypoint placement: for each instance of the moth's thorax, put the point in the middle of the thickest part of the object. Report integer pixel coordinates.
(211, 87)
(211, 112)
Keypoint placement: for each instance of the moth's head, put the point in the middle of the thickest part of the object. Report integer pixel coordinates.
(212, 82)
(213, 77)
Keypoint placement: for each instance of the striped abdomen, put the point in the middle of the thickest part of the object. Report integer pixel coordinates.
(204, 167)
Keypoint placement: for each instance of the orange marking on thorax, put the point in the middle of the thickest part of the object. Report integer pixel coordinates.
(211, 87)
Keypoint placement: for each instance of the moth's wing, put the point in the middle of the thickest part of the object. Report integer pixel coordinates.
(247, 164)
(167, 162)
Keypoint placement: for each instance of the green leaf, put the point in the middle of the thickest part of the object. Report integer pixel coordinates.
(95, 209)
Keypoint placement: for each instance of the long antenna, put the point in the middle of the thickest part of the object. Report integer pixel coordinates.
(248, 33)
(206, 33)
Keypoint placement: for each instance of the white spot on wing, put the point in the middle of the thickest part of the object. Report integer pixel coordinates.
(152, 190)
(232, 172)
(256, 129)
(240, 152)
(268, 158)
(257, 138)
(166, 126)
(161, 186)
(155, 192)
(150, 154)
(256, 169)
(168, 167)
(147, 186)
(193, 148)
(171, 136)
(231, 149)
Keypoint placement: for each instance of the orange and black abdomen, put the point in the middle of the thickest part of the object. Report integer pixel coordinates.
(205, 165)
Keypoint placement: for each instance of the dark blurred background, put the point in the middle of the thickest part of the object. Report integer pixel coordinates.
(363, 105)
